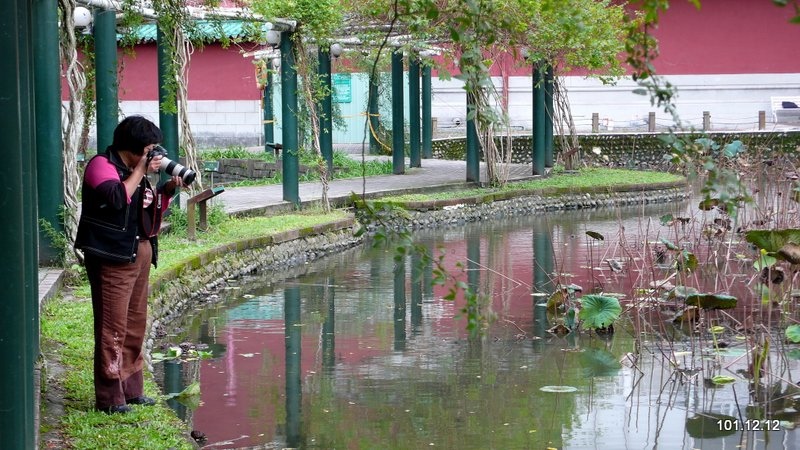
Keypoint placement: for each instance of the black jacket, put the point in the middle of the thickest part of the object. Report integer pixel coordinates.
(110, 227)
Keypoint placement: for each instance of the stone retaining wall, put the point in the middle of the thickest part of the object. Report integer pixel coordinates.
(630, 150)
(459, 214)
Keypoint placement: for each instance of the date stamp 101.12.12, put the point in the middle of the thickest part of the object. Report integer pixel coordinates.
(748, 425)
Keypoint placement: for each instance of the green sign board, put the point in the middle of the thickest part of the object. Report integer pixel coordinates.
(342, 88)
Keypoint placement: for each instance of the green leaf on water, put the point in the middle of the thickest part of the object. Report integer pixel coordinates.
(793, 333)
(189, 396)
(773, 240)
(670, 245)
(711, 301)
(687, 261)
(764, 261)
(599, 311)
(722, 379)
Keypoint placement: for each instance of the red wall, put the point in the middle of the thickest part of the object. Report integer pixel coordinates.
(723, 37)
(728, 37)
(214, 73)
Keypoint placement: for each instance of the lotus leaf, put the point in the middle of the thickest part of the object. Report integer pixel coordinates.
(793, 333)
(711, 301)
(599, 311)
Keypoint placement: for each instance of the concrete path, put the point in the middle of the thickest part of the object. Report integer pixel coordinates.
(434, 173)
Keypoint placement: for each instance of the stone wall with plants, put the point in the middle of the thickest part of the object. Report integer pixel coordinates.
(460, 211)
(631, 150)
(231, 170)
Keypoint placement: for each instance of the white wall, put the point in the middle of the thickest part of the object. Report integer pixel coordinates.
(733, 102)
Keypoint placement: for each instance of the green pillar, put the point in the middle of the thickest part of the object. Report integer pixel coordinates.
(539, 114)
(18, 244)
(105, 50)
(49, 153)
(292, 334)
(427, 120)
(167, 103)
(548, 118)
(326, 109)
(413, 106)
(473, 146)
(290, 164)
(398, 122)
(373, 112)
(269, 115)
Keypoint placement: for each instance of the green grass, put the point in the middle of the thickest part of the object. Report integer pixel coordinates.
(176, 248)
(66, 326)
(596, 179)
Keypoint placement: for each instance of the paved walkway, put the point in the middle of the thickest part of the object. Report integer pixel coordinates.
(434, 173)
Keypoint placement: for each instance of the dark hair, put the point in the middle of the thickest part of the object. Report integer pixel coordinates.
(135, 133)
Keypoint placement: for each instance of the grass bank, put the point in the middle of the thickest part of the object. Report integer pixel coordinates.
(594, 179)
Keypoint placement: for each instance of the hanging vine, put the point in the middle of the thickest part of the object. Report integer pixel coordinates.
(75, 116)
(173, 20)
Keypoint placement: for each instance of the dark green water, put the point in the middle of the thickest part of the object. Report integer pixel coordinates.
(358, 352)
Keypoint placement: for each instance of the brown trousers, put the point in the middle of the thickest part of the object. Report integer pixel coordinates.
(119, 304)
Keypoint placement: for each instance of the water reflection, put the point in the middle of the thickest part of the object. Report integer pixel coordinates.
(291, 311)
(333, 355)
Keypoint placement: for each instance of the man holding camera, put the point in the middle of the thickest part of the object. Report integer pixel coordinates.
(118, 234)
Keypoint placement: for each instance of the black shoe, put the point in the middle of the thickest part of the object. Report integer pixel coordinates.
(116, 409)
(141, 400)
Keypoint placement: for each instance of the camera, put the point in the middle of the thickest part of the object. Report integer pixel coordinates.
(171, 167)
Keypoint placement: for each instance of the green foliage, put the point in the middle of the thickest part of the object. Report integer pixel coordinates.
(58, 241)
(598, 311)
(773, 241)
(234, 152)
(573, 33)
(793, 333)
(178, 219)
(318, 20)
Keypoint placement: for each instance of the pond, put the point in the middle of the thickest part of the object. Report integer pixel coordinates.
(356, 351)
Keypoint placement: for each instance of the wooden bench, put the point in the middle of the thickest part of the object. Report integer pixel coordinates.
(200, 199)
(782, 114)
